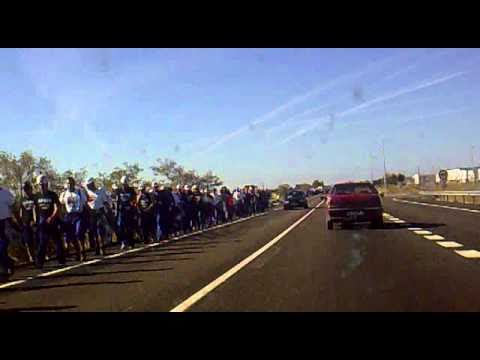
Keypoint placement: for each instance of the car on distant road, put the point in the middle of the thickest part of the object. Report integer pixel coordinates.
(354, 203)
(295, 198)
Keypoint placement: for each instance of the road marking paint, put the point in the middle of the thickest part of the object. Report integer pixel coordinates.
(434, 237)
(114, 255)
(436, 205)
(399, 221)
(469, 254)
(186, 304)
(449, 244)
(386, 214)
(414, 228)
(13, 283)
(67, 268)
(422, 232)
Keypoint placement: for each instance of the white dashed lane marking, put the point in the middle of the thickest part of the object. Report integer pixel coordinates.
(422, 232)
(469, 254)
(434, 237)
(449, 244)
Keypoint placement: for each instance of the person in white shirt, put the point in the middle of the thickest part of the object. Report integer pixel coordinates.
(99, 206)
(6, 202)
(74, 201)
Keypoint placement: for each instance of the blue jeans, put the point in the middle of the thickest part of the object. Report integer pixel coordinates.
(73, 227)
(45, 232)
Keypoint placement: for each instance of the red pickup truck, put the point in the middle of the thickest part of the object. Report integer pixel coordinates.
(349, 203)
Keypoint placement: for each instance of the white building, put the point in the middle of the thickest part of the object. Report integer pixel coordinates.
(423, 179)
(461, 175)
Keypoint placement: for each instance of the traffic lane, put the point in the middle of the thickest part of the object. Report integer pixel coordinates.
(156, 279)
(360, 269)
(454, 225)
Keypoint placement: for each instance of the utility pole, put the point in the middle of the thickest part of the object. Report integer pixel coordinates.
(472, 155)
(371, 166)
(384, 166)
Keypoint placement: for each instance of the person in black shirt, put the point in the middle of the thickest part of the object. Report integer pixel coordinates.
(126, 213)
(27, 219)
(155, 194)
(47, 206)
(146, 207)
(166, 208)
(187, 208)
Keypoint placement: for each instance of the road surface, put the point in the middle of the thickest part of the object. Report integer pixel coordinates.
(426, 258)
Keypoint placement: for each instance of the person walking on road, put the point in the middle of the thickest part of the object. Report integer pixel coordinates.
(166, 208)
(74, 201)
(178, 212)
(7, 200)
(98, 208)
(146, 207)
(126, 215)
(27, 220)
(155, 194)
(47, 207)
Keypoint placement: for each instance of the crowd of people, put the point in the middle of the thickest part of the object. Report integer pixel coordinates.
(85, 216)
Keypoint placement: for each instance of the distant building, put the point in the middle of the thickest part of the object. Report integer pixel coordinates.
(461, 175)
(424, 179)
(409, 180)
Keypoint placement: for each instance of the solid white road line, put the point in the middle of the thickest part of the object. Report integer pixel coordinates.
(186, 304)
(122, 253)
(434, 237)
(436, 205)
(13, 283)
(469, 254)
(67, 268)
(414, 228)
(449, 244)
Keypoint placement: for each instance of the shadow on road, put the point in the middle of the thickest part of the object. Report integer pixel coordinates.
(108, 273)
(141, 261)
(46, 287)
(38, 308)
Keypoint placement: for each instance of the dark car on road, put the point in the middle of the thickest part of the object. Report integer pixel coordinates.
(354, 203)
(295, 198)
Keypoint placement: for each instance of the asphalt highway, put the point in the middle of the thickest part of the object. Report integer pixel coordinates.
(426, 258)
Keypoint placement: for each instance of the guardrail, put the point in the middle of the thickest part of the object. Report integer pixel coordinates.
(467, 197)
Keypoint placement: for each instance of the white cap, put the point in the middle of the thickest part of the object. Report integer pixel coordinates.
(124, 180)
(114, 186)
(186, 187)
(179, 187)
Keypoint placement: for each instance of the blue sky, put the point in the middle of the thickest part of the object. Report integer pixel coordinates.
(250, 115)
